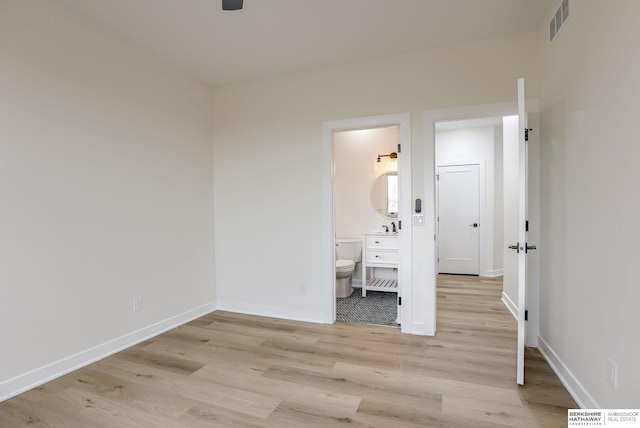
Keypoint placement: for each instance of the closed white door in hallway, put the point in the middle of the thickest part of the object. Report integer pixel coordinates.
(458, 219)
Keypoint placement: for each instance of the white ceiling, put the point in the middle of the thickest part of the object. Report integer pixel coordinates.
(272, 37)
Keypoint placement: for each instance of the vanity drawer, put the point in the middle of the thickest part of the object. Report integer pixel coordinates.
(386, 242)
(381, 256)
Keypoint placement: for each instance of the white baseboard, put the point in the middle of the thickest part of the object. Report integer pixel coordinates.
(575, 388)
(493, 273)
(271, 311)
(39, 376)
(510, 305)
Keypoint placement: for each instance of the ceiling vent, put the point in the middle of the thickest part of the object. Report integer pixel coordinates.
(558, 20)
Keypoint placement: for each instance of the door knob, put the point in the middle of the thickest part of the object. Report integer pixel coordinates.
(474, 225)
(526, 247)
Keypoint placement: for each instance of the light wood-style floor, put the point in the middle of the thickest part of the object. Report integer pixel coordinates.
(236, 370)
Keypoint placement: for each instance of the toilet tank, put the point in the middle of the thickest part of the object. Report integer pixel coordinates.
(349, 249)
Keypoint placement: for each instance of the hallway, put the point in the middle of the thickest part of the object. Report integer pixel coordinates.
(478, 334)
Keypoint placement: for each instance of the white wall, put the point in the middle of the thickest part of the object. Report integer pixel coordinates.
(590, 201)
(106, 184)
(479, 144)
(268, 162)
(356, 170)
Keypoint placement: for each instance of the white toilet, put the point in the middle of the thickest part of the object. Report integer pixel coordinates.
(348, 254)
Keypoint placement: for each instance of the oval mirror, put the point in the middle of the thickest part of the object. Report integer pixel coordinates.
(384, 195)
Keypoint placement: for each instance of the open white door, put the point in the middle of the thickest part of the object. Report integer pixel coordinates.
(522, 247)
(515, 221)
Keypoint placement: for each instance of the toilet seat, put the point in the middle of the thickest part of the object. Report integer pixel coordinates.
(345, 264)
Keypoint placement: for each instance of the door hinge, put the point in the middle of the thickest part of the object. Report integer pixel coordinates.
(399, 148)
(526, 315)
(399, 300)
(526, 133)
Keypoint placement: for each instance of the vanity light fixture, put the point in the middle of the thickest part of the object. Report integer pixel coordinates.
(392, 155)
(393, 165)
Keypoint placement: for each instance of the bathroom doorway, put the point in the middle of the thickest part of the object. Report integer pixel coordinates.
(366, 205)
(363, 156)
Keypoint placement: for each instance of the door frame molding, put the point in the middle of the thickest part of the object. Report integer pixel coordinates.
(405, 272)
(481, 208)
(429, 119)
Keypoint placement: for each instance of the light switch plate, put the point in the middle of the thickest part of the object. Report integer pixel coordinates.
(418, 219)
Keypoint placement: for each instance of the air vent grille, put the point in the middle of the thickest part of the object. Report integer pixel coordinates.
(559, 19)
(565, 10)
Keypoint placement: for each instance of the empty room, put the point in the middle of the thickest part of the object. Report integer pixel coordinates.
(198, 198)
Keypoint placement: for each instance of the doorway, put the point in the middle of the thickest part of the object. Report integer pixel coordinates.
(404, 250)
(431, 120)
(468, 155)
(497, 145)
(366, 205)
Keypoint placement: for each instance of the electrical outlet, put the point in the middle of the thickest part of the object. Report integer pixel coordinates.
(612, 373)
(137, 304)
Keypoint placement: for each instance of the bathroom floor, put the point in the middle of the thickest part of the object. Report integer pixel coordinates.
(378, 308)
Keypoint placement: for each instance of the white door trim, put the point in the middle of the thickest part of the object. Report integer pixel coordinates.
(430, 117)
(522, 231)
(481, 207)
(403, 120)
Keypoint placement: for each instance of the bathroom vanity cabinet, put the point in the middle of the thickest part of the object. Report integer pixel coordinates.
(380, 250)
